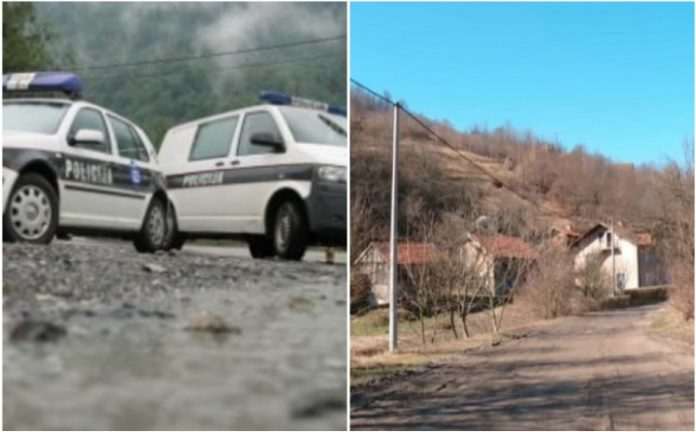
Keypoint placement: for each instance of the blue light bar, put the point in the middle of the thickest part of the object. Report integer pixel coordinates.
(278, 98)
(337, 110)
(275, 98)
(64, 82)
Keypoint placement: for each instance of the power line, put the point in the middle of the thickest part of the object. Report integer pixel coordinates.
(298, 61)
(207, 55)
(496, 179)
(372, 92)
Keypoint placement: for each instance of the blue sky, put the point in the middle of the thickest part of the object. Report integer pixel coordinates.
(617, 78)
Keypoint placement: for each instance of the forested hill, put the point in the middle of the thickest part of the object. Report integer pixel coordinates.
(160, 95)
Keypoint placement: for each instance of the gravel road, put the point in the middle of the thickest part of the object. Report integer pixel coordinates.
(602, 371)
(99, 337)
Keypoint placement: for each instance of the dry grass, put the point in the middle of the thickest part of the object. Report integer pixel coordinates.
(669, 323)
(371, 359)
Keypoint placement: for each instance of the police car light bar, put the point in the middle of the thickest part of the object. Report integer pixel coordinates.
(64, 82)
(278, 98)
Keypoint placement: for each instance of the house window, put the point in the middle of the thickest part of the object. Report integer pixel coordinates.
(621, 281)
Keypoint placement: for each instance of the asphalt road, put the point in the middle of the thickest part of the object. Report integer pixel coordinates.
(97, 336)
(602, 371)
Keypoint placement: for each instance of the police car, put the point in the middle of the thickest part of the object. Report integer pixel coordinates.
(273, 174)
(70, 166)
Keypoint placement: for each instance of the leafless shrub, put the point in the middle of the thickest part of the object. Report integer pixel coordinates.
(549, 290)
(676, 230)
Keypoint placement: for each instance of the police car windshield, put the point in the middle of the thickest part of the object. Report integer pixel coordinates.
(36, 117)
(315, 127)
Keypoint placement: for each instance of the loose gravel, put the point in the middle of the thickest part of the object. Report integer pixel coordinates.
(97, 336)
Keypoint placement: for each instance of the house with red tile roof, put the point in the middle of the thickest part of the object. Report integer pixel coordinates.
(494, 258)
(374, 263)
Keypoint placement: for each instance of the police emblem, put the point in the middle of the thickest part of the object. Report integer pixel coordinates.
(135, 174)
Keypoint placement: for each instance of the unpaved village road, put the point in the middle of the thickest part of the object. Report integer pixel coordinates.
(99, 337)
(597, 372)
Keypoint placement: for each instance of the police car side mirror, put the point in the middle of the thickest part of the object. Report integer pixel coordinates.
(88, 137)
(268, 140)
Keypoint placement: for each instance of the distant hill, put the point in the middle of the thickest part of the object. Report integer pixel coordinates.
(158, 96)
(530, 186)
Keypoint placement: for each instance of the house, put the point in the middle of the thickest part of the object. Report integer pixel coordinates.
(635, 259)
(496, 259)
(501, 261)
(374, 263)
(564, 236)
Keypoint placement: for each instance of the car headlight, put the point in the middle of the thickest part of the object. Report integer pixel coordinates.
(334, 174)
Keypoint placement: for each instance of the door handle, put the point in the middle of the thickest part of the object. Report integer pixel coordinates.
(234, 162)
(219, 164)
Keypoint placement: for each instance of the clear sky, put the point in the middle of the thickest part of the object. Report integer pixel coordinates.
(615, 77)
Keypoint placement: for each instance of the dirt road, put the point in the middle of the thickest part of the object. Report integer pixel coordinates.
(97, 336)
(598, 372)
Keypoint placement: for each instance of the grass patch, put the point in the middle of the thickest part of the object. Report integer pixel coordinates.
(372, 323)
(668, 324)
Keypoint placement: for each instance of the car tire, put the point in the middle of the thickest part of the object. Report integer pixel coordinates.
(173, 239)
(289, 231)
(154, 229)
(32, 211)
(260, 247)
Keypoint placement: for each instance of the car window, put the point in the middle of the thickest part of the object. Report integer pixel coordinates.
(314, 127)
(213, 139)
(36, 117)
(127, 141)
(89, 118)
(253, 123)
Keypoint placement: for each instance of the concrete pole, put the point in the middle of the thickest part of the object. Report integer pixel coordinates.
(613, 259)
(393, 244)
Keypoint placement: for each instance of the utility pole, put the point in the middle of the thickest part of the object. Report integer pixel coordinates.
(393, 244)
(613, 259)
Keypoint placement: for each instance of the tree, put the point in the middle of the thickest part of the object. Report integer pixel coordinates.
(24, 43)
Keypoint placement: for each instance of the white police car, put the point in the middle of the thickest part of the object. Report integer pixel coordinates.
(272, 174)
(73, 167)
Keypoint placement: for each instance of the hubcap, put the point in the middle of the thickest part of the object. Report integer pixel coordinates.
(156, 225)
(30, 212)
(283, 227)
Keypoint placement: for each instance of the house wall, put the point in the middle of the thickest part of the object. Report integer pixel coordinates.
(372, 264)
(626, 258)
(480, 262)
(651, 267)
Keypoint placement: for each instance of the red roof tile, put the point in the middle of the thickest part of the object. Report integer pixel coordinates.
(506, 246)
(410, 253)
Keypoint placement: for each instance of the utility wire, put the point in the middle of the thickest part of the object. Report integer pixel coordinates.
(372, 92)
(496, 180)
(299, 61)
(207, 55)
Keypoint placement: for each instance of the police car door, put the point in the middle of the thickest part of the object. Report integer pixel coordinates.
(132, 174)
(87, 187)
(259, 169)
(204, 201)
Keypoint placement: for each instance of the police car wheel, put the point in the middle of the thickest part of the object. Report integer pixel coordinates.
(260, 247)
(289, 232)
(32, 210)
(173, 239)
(152, 234)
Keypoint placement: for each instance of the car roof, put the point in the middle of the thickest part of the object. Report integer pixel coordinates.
(239, 111)
(40, 100)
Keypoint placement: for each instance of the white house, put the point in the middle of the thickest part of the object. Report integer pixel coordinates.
(634, 257)
(496, 259)
(500, 260)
